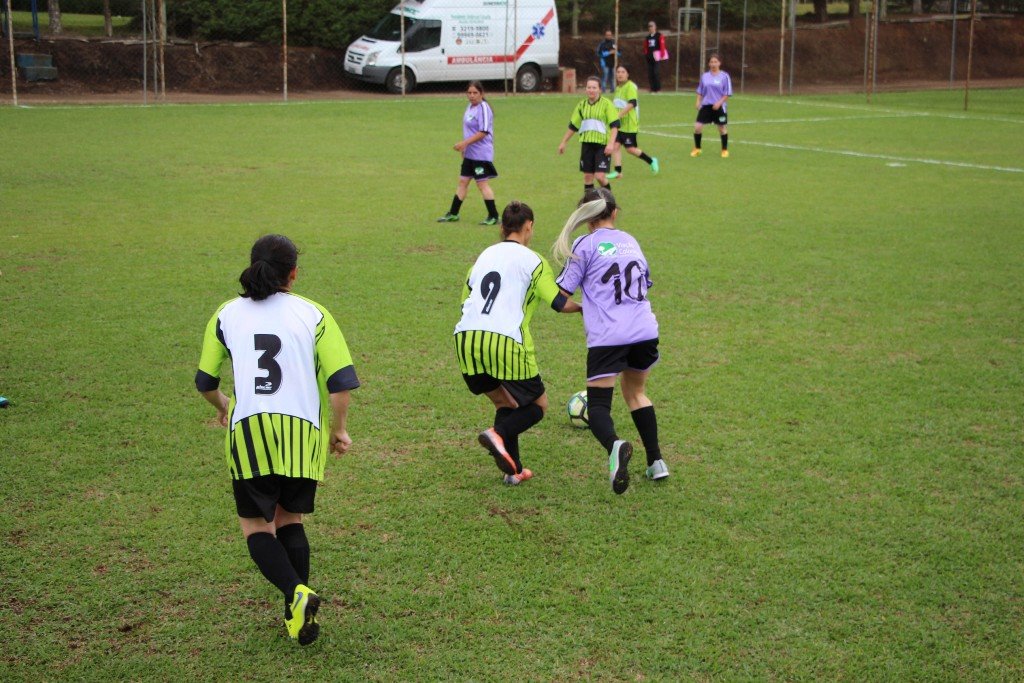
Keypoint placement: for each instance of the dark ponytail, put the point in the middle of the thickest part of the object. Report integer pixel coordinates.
(514, 217)
(272, 259)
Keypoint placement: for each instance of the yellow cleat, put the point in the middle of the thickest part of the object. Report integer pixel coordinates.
(725, 154)
(303, 625)
(695, 152)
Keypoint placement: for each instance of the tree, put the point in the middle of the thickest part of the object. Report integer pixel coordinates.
(108, 26)
(53, 9)
(821, 11)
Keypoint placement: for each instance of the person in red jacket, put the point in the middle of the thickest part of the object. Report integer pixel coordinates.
(654, 51)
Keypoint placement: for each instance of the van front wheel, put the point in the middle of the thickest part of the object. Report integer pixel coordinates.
(394, 81)
(528, 79)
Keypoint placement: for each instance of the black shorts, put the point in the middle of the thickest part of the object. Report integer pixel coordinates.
(260, 496)
(592, 158)
(707, 114)
(627, 140)
(478, 170)
(524, 391)
(604, 361)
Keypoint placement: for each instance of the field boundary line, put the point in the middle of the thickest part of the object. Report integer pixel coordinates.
(862, 155)
(866, 107)
(819, 119)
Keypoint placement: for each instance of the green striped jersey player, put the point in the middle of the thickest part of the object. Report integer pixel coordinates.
(596, 119)
(492, 339)
(292, 375)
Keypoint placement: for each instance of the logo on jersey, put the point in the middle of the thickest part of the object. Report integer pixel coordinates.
(265, 388)
(606, 249)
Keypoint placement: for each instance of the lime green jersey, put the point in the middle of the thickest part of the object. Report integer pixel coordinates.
(594, 121)
(624, 94)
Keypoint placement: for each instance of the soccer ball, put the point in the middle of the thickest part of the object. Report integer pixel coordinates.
(577, 409)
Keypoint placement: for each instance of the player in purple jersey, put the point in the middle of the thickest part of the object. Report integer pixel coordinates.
(608, 265)
(477, 150)
(714, 90)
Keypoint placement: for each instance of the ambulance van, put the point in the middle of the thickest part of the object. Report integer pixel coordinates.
(460, 40)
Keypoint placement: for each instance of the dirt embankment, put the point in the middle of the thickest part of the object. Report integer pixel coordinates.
(829, 57)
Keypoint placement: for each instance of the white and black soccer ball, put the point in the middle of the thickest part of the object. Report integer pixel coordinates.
(577, 409)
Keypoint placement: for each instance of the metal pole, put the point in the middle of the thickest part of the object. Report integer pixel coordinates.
(401, 42)
(615, 52)
(10, 45)
(515, 46)
(792, 43)
(970, 51)
(879, 6)
(782, 46)
(869, 76)
(867, 31)
(505, 51)
(145, 57)
(686, 25)
(284, 46)
(952, 49)
(743, 48)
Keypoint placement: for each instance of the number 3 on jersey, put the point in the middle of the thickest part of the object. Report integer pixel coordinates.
(270, 345)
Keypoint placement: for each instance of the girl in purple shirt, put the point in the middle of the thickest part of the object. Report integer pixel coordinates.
(608, 265)
(714, 89)
(477, 151)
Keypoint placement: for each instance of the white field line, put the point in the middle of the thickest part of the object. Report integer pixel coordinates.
(862, 155)
(820, 119)
(868, 107)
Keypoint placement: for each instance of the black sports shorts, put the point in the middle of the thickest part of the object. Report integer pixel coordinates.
(260, 496)
(478, 170)
(604, 361)
(592, 158)
(707, 114)
(627, 140)
(524, 391)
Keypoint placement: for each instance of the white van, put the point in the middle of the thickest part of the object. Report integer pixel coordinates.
(460, 40)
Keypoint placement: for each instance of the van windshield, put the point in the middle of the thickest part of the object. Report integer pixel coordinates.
(389, 28)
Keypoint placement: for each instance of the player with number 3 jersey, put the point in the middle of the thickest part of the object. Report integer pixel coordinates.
(609, 267)
(492, 339)
(292, 375)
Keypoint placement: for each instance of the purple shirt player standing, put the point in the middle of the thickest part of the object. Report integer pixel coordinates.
(476, 148)
(713, 92)
(479, 119)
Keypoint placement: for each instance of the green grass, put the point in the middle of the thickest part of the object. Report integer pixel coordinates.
(80, 24)
(841, 398)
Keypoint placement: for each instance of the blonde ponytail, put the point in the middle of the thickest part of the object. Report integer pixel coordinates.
(595, 205)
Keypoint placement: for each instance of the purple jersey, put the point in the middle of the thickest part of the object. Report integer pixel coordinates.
(609, 267)
(714, 87)
(479, 119)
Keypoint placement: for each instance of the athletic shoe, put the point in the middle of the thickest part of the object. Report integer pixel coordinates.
(495, 445)
(517, 479)
(695, 152)
(303, 625)
(449, 218)
(490, 220)
(725, 154)
(654, 165)
(613, 175)
(618, 462)
(659, 470)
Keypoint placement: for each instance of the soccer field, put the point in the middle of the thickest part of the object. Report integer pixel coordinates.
(840, 397)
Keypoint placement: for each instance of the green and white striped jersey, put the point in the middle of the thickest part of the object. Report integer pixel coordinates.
(594, 121)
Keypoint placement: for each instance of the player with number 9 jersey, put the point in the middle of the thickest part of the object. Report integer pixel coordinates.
(492, 339)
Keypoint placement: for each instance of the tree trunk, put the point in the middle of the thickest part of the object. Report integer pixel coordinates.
(53, 9)
(108, 25)
(854, 8)
(575, 18)
(821, 11)
(673, 15)
(917, 7)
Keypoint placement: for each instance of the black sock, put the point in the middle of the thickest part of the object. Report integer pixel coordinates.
(492, 210)
(456, 205)
(599, 409)
(588, 187)
(725, 141)
(618, 169)
(644, 157)
(293, 538)
(517, 422)
(272, 559)
(511, 441)
(647, 424)
(696, 140)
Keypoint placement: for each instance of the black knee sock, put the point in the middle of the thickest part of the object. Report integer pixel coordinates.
(511, 441)
(725, 141)
(696, 140)
(456, 205)
(599, 409)
(618, 169)
(272, 559)
(517, 422)
(588, 187)
(645, 158)
(647, 424)
(492, 209)
(293, 538)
